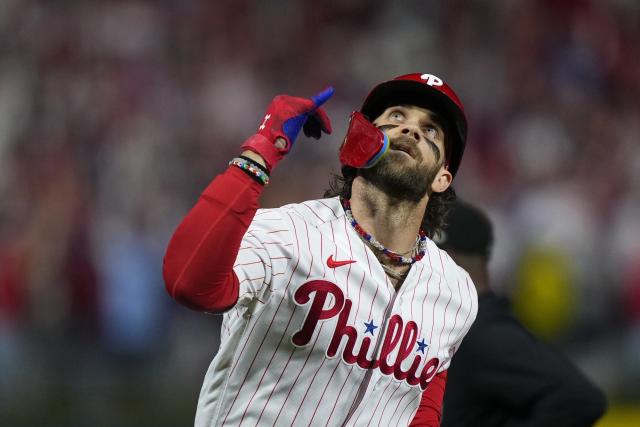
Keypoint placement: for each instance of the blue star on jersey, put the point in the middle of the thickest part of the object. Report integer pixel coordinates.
(370, 327)
(421, 346)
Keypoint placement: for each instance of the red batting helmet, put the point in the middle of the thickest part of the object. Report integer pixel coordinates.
(427, 91)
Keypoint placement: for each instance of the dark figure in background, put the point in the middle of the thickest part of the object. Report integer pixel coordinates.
(501, 374)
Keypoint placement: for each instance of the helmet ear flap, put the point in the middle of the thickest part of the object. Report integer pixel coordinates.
(364, 144)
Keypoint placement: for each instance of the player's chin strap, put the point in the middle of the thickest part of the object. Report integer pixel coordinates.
(364, 144)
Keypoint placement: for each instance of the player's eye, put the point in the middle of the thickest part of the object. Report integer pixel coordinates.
(396, 115)
(431, 132)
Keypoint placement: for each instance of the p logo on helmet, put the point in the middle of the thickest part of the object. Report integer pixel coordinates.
(432, 80)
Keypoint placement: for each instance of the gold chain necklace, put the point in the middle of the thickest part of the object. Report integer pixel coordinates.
(394, 274)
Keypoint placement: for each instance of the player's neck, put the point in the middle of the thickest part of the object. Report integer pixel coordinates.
(394, 223)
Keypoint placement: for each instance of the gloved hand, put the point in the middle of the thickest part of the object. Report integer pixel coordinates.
(285, 117)
(364, 144)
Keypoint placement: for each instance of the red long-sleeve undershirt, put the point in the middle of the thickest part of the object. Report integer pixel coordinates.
(198, 264)
(430, 410)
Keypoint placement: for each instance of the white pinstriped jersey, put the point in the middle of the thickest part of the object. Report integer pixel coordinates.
(314, 340)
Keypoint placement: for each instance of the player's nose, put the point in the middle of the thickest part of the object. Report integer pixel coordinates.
(411, 131)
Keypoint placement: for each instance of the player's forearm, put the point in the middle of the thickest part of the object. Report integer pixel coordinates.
(198, 264)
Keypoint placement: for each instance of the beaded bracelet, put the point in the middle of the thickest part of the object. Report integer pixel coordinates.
(256, 164)
(251, 169)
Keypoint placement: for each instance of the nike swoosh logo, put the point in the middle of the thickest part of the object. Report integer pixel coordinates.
(333, 263)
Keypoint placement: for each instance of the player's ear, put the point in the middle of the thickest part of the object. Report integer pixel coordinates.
(442, 180)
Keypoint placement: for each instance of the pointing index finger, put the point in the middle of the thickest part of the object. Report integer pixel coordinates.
(323, 96)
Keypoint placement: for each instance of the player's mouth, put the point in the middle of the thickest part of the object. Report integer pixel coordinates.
(405, 145)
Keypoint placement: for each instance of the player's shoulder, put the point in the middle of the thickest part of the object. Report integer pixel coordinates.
(310, 213)
(441, 261)
(456, 278)
(314, 212)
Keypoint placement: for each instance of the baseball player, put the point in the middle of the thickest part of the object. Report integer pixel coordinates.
(342, 310)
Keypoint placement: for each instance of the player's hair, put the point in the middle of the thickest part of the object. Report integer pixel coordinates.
(435, 216)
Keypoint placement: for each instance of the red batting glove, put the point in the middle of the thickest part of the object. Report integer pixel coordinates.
(285, 117)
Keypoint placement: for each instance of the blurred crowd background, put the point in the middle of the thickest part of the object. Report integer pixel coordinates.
(114, 115)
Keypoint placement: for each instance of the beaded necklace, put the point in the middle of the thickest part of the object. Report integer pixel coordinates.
(421, 242)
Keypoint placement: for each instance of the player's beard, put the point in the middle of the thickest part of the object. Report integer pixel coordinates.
(401, 178)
